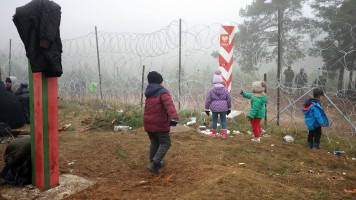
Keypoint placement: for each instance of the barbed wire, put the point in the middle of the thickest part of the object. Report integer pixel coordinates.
(122, 56)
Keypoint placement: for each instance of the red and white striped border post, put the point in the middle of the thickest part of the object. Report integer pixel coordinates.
(226, 53)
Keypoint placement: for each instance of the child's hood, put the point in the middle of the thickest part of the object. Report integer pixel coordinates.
(154, 89)
(308, 104)
(219, 90)
(261, 96)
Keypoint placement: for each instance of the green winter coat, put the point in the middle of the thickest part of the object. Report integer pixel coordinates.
(258, 104)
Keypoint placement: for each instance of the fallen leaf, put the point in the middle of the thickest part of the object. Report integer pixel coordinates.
(350, 191)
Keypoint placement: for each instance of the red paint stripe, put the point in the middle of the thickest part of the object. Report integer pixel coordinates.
(227, 82)
(228, 29)
(229, 48)
(38, 112)
(53, 130)
(224, 63)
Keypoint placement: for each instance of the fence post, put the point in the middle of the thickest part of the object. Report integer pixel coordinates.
(317, 78)
(97, 53)
(180, 58)
(143, 80)
(265, 79)
(10, 59)
(279, 65)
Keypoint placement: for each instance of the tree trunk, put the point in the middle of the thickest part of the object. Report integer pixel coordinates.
(341, 79)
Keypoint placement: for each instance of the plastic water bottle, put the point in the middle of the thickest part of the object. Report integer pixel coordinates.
(122, 128)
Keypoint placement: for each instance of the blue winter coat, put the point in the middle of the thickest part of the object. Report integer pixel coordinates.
(314, 114)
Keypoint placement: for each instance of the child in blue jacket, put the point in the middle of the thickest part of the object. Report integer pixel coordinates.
(315, 118)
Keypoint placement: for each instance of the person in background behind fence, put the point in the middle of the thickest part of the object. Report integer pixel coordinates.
(218, 101)
(158, 116)
(258, 107)
(301, 80)
(288, 78)
(315, 118)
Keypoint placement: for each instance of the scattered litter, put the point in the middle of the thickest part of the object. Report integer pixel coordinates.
(236, 132)
(288, 138)
(350, 191)
(67, 125)
(201, 128)
(193, 120)
(241, 163)
(272, 145)
(344, 173)
(70, 163)
(93, 87)
(249, 132)
(120, 111)
(122, 128)
(353, 158)
(218, 124)
(206, 132)
(265, 135)
(310, 171)
(338, 153)
(234, 114)
(228, 132)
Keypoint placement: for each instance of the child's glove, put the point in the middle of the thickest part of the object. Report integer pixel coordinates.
(207, 112)
(228, 112)
(241, 92)
(173, 122)
(249, 118)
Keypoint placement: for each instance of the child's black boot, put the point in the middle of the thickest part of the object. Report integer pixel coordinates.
(316, 146)
(310, 145)
(154, 167)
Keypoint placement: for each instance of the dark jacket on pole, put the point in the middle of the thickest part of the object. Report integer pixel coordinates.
(38, 25)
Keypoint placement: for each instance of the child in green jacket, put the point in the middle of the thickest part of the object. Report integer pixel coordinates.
(258, 106)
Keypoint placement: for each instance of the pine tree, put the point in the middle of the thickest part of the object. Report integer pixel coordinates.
(257, 38)
(338, 48)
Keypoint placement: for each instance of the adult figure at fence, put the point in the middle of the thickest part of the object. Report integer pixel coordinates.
(288, 78)
(10, 81)
(301, 80)
(22, 93)
(11, 112)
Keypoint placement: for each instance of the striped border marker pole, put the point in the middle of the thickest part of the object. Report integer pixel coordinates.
(44, 129)
(226, 54)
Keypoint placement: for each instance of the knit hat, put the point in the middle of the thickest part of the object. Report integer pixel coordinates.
(217, 77)
(258, 86)
(154, 77)
(11, 79)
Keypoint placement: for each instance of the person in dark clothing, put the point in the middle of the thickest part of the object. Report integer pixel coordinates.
(17, 156)
(11, 111)
(301, 79)
(38, 25)
(22, 93)
(288, 78)
(10, 81)
(159, 115)
(315, 118)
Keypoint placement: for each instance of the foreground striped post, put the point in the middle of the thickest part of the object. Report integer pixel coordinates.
(226, 54)
(44, 129)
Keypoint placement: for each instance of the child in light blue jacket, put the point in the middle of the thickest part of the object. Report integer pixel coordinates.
(315, 118)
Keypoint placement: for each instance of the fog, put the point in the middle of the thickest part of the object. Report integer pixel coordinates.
(79, 17)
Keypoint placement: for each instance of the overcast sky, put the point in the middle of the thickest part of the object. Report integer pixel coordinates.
(80, 16)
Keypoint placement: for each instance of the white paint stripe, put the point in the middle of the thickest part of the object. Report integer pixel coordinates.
(225, 55)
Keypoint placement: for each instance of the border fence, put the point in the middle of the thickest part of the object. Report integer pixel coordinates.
(119, 62)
